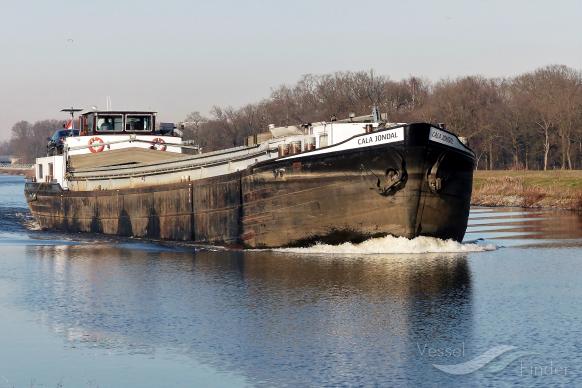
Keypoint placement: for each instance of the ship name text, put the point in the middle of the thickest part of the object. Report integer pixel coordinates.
(445, 138)
(377, 138)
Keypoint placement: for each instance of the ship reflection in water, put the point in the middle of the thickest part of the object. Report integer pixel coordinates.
(84, 310)
(269, 316)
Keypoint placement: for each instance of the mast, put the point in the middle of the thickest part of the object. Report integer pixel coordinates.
(72, 111)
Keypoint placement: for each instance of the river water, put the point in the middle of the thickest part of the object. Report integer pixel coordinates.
(503, 308)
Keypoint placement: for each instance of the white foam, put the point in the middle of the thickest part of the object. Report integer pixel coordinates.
(28, 221)
(398, 245)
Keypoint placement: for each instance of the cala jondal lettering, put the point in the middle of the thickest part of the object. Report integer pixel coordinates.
(443, 137)
(377, 138)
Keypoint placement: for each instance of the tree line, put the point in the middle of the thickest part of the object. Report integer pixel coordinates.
(29, 140)
(529, 121)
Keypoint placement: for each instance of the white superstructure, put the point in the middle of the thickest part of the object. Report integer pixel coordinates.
(170, 165)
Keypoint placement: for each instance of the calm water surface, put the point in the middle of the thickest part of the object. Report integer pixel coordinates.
(89, 311)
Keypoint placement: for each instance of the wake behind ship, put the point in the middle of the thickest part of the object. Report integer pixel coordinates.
(329, 182)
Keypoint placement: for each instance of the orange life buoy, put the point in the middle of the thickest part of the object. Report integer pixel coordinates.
(96, 148)
(158, 144)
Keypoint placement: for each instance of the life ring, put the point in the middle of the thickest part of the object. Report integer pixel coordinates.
(96, 148)
(158, 144)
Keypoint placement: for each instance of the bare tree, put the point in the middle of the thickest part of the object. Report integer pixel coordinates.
(533, 120)
(192, 124)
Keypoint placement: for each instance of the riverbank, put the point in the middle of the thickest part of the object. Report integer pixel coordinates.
(531, 189)
(17, 171)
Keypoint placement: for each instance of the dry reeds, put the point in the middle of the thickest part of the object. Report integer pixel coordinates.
(515, 191)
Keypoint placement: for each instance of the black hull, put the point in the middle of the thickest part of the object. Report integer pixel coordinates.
(408, 188)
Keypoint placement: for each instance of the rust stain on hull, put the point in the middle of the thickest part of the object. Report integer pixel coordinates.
(331, 198)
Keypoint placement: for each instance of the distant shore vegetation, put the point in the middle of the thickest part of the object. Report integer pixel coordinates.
(560, 189)
(531, 121)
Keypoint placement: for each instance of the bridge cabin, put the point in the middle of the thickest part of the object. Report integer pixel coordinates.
(117, 122)
(110, 138)
(102, 131)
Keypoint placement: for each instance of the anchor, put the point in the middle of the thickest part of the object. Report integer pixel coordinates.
(435, 183)
(394, 179)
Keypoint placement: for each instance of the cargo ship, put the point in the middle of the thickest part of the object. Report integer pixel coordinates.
(339, 181)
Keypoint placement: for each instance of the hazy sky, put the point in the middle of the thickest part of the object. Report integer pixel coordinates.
(177, 56)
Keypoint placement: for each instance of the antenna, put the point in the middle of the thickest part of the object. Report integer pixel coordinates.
(108, 102)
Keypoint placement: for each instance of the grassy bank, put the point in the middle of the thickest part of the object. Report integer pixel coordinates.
(547, 189)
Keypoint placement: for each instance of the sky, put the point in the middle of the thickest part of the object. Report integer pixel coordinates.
(179, 56)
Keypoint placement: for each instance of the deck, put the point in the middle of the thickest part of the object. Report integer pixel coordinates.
(126, 156)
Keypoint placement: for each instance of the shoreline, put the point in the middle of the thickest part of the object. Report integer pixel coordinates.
(15, 172)
(556, 189)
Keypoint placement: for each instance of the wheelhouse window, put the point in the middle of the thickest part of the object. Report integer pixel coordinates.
(89, 123)
(138, 123)
(110, 123)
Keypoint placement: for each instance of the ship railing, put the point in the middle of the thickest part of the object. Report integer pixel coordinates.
(130, 140)
(180, 145)
(163, 167)
(188, 162)
(192, 160)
